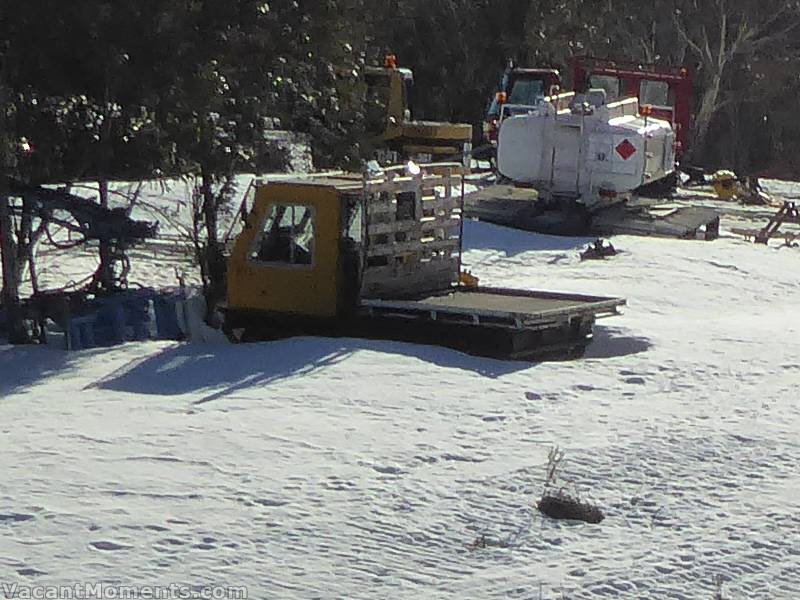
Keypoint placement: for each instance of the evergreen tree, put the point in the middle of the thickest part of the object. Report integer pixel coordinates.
(239, 66)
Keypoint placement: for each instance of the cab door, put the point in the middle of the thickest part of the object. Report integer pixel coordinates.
(286, 259)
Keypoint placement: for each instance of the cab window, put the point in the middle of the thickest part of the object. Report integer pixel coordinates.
(654, 93)
(494, 109)
(354, 224)
(609, 83)
(527, 92)
(287, 236)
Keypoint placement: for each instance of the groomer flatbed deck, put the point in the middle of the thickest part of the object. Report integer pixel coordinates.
(522, 208)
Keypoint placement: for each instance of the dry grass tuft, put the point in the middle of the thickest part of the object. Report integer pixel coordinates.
(557, 503)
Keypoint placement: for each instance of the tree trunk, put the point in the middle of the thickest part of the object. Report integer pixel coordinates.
(708, 107)
(17, 333)
(736, 153)
(213, 259)
(106, 269)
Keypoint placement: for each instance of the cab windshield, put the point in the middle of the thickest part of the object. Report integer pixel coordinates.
(525, 92)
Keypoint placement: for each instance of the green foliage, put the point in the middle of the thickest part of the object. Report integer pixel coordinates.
(127, 89)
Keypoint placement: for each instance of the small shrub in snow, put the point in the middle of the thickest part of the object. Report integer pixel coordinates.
(557, 503)
(718, 584)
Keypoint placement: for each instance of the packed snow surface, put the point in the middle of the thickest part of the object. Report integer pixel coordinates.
(341, 468)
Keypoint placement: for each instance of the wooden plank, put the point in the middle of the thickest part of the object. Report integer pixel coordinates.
(378, 228)
(385, 208)
(434, 269)
(385, 218)
(440, 222)
(425, 224)
(441, 203)
(375, 206)
(415, 246)
(402, 185)
(411, 268)
(412, 258)
(412, 263)
(392, 186)
(388, 282)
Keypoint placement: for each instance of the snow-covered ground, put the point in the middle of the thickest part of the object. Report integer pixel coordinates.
(330, 468)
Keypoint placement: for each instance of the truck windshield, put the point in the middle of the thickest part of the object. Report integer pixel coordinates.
(609, 83)
(655, 93)
(287, 236)
(525, 92)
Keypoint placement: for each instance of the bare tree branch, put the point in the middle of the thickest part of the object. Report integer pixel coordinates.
(171, 219)
(764, 40)
(723, 35)
(707, 46)
(683, 33)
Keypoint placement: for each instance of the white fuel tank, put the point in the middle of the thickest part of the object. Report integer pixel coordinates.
(585, 149)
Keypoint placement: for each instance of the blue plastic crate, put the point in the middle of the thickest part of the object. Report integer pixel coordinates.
(81, 333)
(129, 316)
(166, 309)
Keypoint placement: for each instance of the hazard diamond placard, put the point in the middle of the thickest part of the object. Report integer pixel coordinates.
(625, 149)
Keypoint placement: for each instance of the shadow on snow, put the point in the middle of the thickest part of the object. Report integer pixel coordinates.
(22, 367)
(225, 369)
(486, 236)
(611, 342)
(189, 369)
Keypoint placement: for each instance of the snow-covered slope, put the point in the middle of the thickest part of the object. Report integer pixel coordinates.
(322, 468)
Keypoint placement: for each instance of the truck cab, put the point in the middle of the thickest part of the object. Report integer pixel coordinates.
(519, 89)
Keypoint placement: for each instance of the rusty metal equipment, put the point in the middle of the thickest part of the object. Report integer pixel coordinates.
(599, 250)
(787, 214)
